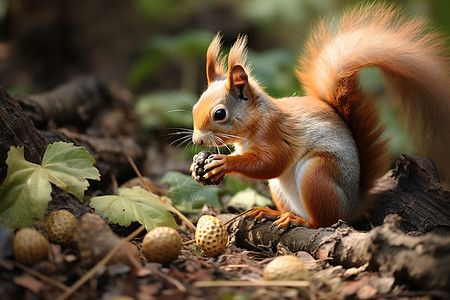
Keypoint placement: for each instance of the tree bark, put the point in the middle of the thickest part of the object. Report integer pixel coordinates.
(16, 129)
(413, 191)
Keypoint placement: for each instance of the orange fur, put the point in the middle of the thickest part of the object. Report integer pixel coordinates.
(319, 191)
(270, 156)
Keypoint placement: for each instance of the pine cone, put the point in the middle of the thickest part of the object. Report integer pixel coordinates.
(199, 161)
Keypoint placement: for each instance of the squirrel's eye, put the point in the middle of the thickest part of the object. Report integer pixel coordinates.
(220, 114)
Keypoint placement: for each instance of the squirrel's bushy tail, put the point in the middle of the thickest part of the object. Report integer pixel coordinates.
(413, 61)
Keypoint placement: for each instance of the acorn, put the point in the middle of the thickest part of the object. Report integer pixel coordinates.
(30, 246)
(286, 267)
(59, 226)
(162, 244)
(211, 235)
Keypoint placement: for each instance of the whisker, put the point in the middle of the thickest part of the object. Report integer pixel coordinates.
(184, 97)
(177, 110)
(235, 136)
(217, 146)
(231, 136)
(223, 143)
(220, 141)
(183, 139)
(228, 148)
(181, 128)
(224, 137)
(180, 132)
(189, 143)
(184, 136)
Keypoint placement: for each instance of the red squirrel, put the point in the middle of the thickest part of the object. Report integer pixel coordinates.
(322, 153)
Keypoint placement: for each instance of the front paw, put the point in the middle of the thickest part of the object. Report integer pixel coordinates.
(203, 166)
(216, 167)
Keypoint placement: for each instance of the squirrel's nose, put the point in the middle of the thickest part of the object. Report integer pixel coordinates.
(197, 140)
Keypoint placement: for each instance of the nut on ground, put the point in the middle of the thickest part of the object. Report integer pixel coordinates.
(162, 244)
(211, 235)
(30, 246)
(286, 267)
(59, 226)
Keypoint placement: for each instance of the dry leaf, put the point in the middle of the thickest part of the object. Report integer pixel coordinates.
(29, 282)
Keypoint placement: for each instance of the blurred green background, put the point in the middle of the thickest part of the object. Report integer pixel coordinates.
(156, 49)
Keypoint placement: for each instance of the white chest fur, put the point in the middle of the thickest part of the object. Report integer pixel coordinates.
(287, 189)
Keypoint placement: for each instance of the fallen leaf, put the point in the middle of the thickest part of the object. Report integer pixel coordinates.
(29, 282)
(135, 204)
(26, 191)
(306, 259)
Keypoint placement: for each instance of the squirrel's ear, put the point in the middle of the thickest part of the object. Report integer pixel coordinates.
(214, 65)
(237, 76)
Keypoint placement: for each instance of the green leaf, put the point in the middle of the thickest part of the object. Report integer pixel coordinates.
(69, 166)
(26, 191)
(135, 204)
(188, 194)
(249, 198)
(234, 184)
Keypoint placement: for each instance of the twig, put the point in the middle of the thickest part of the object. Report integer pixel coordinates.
(100, 264)
(188, 242)
(237, 216)
(291, 283)
(234, 266)
(173, 281)
(179, 214)
(151, 188)
(41, 276)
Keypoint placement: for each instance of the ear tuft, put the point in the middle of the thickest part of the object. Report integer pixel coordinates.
(215, 66)
(238, 53)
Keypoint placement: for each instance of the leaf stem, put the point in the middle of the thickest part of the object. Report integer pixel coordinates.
(41, 276)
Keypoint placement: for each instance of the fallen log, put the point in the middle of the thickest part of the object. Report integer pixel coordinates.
(421, 261)
(76, 101)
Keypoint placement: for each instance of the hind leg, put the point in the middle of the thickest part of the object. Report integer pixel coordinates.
(319, 189)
